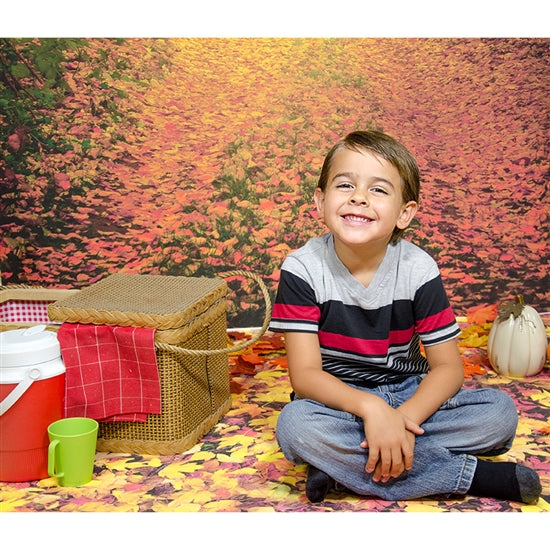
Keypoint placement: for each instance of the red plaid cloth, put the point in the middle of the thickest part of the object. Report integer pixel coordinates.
(111, 372)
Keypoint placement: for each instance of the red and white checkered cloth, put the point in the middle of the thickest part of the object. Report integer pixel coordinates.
(25, 311)
(111, 372)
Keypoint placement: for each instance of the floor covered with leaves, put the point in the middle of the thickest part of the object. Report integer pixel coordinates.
(238, 466)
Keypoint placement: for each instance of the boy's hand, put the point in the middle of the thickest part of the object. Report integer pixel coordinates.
(390, 438)
(397, 471)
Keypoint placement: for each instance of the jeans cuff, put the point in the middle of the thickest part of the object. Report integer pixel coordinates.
(467, 475)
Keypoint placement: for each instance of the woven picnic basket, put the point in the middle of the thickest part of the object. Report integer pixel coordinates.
(189, 315)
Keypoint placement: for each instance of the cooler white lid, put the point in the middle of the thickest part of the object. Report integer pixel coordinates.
(28, 346)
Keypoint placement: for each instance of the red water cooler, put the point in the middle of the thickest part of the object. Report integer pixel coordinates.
(32, 386)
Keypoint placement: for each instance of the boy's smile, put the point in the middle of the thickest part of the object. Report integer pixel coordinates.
(356, 219)
(362, 203)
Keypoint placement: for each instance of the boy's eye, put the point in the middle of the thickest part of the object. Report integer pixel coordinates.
(344, 185)
(379, 190)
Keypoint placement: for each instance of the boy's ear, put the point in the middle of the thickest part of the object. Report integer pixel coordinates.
(319, 199)
(407, 214)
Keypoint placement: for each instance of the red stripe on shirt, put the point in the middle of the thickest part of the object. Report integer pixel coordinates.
(296, 313)
(362, 346)
(435, 322)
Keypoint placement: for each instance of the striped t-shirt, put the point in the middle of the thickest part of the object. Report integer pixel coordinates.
(368, 335)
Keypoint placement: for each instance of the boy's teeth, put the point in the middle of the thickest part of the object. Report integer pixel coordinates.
(356, 218)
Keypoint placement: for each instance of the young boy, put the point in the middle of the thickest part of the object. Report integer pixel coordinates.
(370, 413)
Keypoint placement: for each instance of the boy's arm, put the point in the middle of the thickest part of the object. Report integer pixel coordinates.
(444, 379)
(310, 381)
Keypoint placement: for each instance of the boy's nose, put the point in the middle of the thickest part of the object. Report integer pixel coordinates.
(358, 199)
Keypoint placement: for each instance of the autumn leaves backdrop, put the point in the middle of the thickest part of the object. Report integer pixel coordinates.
(196, 156)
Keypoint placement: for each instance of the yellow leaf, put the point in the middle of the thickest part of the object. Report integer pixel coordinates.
(420, 507)
(280, 491)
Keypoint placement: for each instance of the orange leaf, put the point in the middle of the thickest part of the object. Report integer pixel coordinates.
(280, 361)
(472, 367)
(252, 358)
(480, 315)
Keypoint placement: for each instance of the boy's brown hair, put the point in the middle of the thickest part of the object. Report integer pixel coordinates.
(388, 148)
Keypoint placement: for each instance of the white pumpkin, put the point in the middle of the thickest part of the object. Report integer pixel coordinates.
(517, 341)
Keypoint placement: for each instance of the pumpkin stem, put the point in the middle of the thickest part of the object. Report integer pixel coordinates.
(511, 308)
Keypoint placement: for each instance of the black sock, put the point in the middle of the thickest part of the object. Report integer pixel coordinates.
(505, 481)
(318, 484)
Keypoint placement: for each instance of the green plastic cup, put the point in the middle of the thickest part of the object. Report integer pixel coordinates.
(71, 452)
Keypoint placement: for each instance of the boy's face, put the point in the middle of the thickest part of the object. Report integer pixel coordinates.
(363, 201)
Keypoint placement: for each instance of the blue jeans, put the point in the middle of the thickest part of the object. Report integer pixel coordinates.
(473, 422)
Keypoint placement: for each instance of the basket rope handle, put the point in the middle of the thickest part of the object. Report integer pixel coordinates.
(238, 347)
